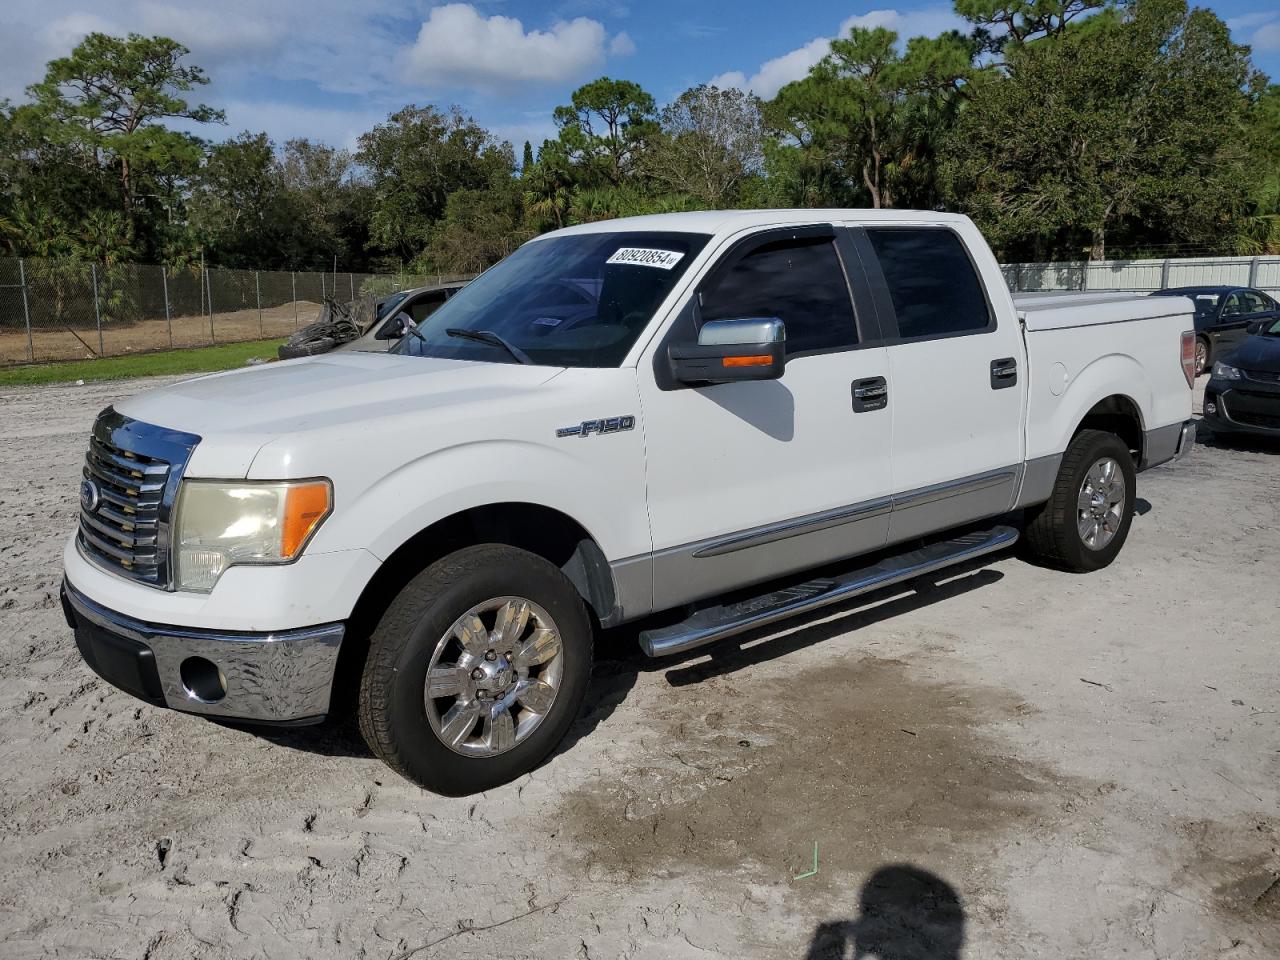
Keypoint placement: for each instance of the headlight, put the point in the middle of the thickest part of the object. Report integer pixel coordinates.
(223, 523)
(1225, 371)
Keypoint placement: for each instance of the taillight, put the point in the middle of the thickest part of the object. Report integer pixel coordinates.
(1189, 356)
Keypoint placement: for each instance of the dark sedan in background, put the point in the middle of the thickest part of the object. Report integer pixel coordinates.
(1243, 394)
(1223, 315)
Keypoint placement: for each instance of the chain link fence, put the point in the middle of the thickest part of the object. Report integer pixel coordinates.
(75, 310)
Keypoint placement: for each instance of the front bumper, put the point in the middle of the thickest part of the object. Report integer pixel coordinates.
(278, 677)
(1243, 406)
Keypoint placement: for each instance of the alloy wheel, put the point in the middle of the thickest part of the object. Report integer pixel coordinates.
(494, 676)
(1100, 504)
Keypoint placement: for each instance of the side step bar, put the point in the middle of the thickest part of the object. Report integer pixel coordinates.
(724, 620)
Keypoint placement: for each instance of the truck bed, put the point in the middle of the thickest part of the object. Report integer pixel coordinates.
(1057, 311)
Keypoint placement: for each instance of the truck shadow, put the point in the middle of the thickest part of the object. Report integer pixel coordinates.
(904, 913)
(619, 661)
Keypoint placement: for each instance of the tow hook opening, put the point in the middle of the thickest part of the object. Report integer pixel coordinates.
(202, 680)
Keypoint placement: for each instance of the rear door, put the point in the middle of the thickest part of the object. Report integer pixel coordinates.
(751, 480)
(956, 379)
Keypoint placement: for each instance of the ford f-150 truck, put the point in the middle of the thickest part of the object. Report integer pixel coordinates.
(711, 421)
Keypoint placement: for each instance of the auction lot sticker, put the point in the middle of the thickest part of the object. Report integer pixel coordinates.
(641, 257)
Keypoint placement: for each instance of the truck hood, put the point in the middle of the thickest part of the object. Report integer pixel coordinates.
(239, 412)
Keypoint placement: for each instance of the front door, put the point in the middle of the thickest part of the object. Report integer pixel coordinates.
(752, 480)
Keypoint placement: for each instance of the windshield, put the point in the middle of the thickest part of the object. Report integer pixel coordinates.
(1271, 329)
(391, 303)
(571, 301)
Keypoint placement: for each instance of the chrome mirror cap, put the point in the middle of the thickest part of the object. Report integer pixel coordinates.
(744, 330)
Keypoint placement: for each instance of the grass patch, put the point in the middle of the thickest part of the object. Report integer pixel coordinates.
(169, 362)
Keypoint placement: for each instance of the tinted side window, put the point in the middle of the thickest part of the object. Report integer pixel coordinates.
(424, 307)
(800, 282)
(1253, 302)
(934, 287)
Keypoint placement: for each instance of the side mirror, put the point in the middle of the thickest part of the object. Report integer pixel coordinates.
(750, 348)
(395, 328)
(1256, 327)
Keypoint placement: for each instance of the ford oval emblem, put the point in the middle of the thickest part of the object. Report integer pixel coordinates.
(89, 496)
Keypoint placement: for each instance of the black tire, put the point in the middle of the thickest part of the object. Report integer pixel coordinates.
(1205, 361)
(392, 711)
(291, 351)
(1052, 536)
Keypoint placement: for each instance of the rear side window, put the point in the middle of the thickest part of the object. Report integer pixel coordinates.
(801, 282)
(935, 290)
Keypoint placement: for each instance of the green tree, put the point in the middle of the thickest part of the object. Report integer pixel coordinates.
(548, 186)
(415, 161)
(1002, 23)
(1259, 229)
(710, 141)
(108, 98)
(238, 207)
(1131, 128)
(479, 228)
(867, 118)
(328, 201)
(604, 129)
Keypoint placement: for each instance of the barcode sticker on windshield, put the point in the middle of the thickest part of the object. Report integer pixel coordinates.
(639, 256)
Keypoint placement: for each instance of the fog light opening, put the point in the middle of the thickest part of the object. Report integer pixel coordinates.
(202, 680)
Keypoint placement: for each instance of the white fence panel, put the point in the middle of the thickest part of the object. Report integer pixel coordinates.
(1139, 276)
(1125, 274)
(1209, 272)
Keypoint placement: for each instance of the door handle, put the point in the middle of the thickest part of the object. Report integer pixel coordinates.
(870, 394)
(1004, 373)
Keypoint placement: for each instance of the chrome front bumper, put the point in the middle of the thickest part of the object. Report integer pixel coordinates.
(276, 677)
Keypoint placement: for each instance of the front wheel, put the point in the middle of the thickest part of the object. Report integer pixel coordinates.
(476, 670)
(1086, 520)
(1202, 355)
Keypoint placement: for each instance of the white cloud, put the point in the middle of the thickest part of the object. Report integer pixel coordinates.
(622, 45)
(774, 74)
(1248, 21)
(340, 46)
(458, 47)
(286, 121)
(1266, 37)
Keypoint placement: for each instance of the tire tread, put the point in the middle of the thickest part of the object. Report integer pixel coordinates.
(1049, 533)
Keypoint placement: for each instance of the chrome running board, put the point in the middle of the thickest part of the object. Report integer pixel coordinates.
(724, 620)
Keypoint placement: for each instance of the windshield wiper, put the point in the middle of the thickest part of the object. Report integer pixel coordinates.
(491, 338)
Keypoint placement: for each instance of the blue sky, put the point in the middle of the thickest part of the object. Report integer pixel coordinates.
(330, 69)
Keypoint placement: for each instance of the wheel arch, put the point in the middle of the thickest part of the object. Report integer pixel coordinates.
(1118, 414)
(544, 531)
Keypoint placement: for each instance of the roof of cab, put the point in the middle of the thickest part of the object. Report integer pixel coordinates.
(729, 221)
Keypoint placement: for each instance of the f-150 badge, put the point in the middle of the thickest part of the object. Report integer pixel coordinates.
(587, 427)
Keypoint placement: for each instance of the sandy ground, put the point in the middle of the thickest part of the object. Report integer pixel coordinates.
(1004, 763)
(81, 342)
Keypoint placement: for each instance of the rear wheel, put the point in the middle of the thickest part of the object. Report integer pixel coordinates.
(476, 670)
(1086, 520)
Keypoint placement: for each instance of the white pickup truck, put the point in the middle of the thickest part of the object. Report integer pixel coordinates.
(708, 420)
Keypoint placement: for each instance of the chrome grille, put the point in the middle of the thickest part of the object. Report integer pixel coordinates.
(131, 474)
(122, 528)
